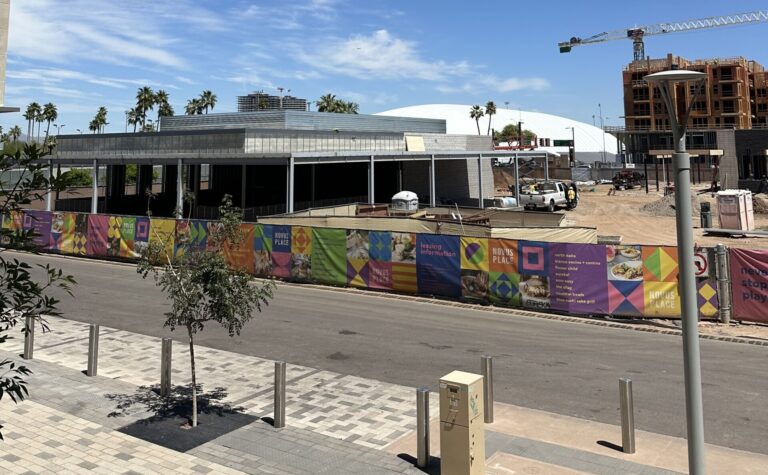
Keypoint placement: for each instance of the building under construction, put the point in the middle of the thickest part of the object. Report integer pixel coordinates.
(261, 101)
(734, 96)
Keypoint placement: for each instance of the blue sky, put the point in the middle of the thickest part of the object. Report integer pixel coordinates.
(82, 54)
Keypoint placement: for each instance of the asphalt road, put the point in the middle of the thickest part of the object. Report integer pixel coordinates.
(561, 367)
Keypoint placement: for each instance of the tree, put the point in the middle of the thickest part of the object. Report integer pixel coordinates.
(208, 100)
(145, 100)
(326, 103)
(22, 292)
(93, 126)
(15, 132)
(202, 287)
(101, 119)
(194, 107)
(76, 178)
(39, 118)
(476, 112)
(50, 114)
(164, 108)
(33, 110)
(490, 111)
(511, 133)
(133, 117)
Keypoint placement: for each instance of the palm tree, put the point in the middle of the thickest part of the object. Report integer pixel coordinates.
(145, 100)
(208, 100)
(33, 110)
(50, 114)
(193, 107)
(476, 112)
(93, 126)
(101, 119)
(164, 108)
(15, 132)
(39, 118)
(132, 117)
(326, 103)
(490, 111)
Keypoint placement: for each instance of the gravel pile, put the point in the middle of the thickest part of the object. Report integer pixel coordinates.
(666, 206)
(760, 203)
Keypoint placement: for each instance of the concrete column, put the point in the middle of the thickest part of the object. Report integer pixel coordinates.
(517, 182)
(399, 176)
(289, 186)
(432, 198)
(480, 181)
(49, 195)
(243, 182)
(546, 167)
(371, 182)
(312, 185)
(95, 188)
(179, 190)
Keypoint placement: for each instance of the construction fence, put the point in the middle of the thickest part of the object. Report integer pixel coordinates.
(637, 281)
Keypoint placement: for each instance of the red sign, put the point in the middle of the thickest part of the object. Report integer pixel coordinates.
(749, 284)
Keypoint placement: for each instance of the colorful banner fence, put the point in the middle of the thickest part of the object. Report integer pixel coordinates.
(749, 284)
(634, 281)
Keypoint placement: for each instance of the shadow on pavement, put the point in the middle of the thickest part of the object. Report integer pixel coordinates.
(433, 467)
(172, 415)
(610, 445)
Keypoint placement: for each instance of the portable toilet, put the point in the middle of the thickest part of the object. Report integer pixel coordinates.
(735, 210)
(405, 201)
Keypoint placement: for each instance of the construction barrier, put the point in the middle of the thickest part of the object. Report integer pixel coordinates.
(585, 279)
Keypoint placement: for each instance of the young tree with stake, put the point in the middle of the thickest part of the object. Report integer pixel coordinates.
(202, 287)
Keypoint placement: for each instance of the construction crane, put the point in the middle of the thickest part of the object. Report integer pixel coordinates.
(636, 34)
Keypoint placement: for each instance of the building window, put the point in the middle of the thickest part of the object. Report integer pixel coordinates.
(717, 105)
(715, 89)
(714, 72)
(762, 107)
(700, 122)
(761, 92)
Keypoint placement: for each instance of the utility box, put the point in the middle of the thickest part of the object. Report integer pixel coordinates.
(735, 210)
(462, 431)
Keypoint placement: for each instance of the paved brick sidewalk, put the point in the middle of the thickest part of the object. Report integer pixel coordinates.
(367, 412)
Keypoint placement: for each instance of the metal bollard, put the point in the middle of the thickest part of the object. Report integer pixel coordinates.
(486, 369)
(422, 427)
(723, 283)
(627, 416)
(29, 337)
(279, 419)
(93, 350)
(166, 355)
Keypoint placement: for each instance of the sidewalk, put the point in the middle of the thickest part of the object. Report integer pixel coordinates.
(337, 424)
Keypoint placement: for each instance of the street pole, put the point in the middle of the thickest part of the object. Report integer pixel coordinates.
(602, 127)
(687, 278)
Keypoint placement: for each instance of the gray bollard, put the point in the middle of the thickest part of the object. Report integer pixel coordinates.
(93, 350)
(279, 419)
(166, 354)
(29, 337)
(723, 283)
(486, 368)
(422, 427)
(627, 416)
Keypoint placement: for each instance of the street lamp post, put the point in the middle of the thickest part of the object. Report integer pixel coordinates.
(602, 127)
(666, 81)
(573, 146)
(59, 127)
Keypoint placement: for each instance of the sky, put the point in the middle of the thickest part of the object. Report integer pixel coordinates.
(83, 54)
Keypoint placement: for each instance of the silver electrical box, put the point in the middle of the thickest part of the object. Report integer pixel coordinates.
(462, 433)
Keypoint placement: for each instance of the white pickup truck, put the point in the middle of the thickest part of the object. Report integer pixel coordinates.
(548, 195)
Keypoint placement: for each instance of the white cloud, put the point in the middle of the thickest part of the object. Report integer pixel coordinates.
(185, 80)
(494, 84)
(378, 56)
(47, 76)
(59, 32)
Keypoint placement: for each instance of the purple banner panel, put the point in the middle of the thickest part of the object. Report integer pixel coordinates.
(39, 222)
(749, 281)
(438, 265)
(577, 278)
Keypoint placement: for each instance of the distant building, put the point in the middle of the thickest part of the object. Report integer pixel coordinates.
(735, 95)
(259, 101)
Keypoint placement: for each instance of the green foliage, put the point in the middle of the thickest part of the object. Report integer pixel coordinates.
(476, 112)
(330, 103)
(510, 133)
(202, 287)
(24, 289)
(76, 177)
(132, 173)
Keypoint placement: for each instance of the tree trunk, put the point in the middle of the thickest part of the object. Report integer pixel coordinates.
(48, 129)
(477, 121)
(194, 380)
(489, 124)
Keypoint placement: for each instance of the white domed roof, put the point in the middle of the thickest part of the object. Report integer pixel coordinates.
(589, 139)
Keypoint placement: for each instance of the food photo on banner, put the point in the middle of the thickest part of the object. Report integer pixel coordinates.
(749, 284)
(404, 277)
(301, 253)
(262, 250)
(624, 280)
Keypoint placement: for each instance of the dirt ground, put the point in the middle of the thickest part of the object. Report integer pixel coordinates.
(620, 215)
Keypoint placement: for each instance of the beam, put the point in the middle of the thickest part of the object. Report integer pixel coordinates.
(289, 185)
(95, 188)
(49, 195)
(480, 181)
(179, 190)
(371, 182)
(243, 182)
(432, 198)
